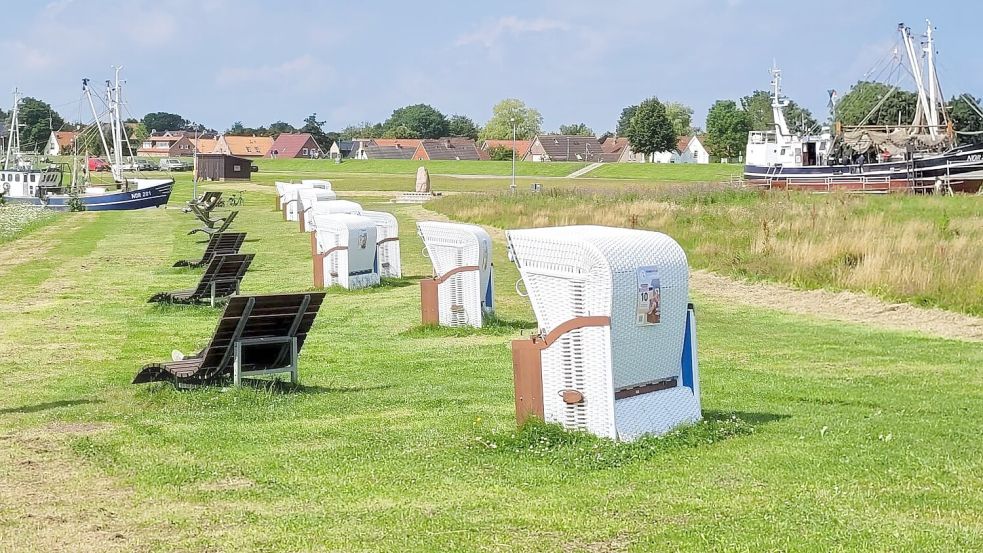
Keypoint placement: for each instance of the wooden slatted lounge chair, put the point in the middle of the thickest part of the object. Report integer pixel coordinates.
(257, 335)
(221, 279)
(226, 222)
(205, 216)
(206, 202)
(222, 243)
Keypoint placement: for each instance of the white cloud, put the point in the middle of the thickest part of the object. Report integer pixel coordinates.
(55, 8)
(304, 71)
(491, 35)
(28, 58)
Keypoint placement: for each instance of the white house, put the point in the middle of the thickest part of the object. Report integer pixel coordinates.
(59, 142)
(689, 149)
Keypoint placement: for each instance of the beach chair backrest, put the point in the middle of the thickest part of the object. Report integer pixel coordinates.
(251, 317)
(226, 271)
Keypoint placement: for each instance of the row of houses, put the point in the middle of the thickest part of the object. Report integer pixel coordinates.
(543, 148)
(186, 143)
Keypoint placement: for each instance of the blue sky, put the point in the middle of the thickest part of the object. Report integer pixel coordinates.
(218, 61)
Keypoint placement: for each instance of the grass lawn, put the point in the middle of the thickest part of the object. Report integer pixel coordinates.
(920, 249)
(409, 167)
(821, 436)
(668, 172)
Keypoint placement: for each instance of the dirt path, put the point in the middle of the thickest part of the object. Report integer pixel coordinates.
(844, 306)
(851, 307)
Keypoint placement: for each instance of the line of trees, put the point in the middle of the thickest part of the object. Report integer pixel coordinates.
(651, 125)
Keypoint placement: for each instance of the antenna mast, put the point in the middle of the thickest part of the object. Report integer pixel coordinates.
(13, 143)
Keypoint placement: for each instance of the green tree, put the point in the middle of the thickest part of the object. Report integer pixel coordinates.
(400, 131)
(316, 129)
(362, 130)
(966, 119)
(37, 120)
(280, 127)
(423, 121)
(500, 153)
(464, 126)
(681, 117)
(624, 120)
(727, 129)
(863, 97)
(138, 132)
(161, 121)
(576, 129)
(758, 107)
(650, 129)
(528, 121)
(237, 129)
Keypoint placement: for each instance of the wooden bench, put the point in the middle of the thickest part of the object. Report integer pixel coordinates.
(221, 279)
(221, 243)
(210, 225)
(256, 335)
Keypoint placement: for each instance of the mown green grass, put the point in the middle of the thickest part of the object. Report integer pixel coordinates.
(409, 167)
(920, 249)
(668, 172)
(820, 436)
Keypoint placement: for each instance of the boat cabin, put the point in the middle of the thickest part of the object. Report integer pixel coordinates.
(30, 182)
(768, 148)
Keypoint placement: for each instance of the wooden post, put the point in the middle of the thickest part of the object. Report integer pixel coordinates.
(527, 371)
(318, 270)
(429, 304)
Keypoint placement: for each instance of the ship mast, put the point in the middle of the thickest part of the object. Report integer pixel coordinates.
(13, 143)
(933, 107)
(98, 122)
(116, 125)
(777, 103)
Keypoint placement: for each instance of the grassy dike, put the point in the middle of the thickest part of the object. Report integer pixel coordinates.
(819, 436)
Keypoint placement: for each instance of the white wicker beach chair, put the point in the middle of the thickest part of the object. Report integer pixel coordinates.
(461, 258)
(318, 184)
(617, 341)
(344, 251)
(307, 198)
(287, 198)
(387, 230)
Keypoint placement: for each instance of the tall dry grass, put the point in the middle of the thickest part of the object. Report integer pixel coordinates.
(921, 249)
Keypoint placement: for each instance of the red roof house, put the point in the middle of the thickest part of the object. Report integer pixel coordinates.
(289, 145)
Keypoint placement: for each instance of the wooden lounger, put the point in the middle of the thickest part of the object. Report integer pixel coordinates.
(206, 202)
(212, 230)
(206, 216)
(221, 243)
(257, 335)
(220, 279)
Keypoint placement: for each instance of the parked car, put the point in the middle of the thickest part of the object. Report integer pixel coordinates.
(140, 165)
(97, 164)
(174, 164)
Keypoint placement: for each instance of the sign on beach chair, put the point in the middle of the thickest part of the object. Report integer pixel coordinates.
(616, 350)
(222, 243)
(345, 250)
(256, 335)
(222, 278)
(389, 264)
(460, 293)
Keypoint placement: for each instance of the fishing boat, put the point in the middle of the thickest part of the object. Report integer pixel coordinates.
(918, 157)
(27, 180)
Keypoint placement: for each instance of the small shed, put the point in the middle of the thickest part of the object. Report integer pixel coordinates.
(223, 167)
